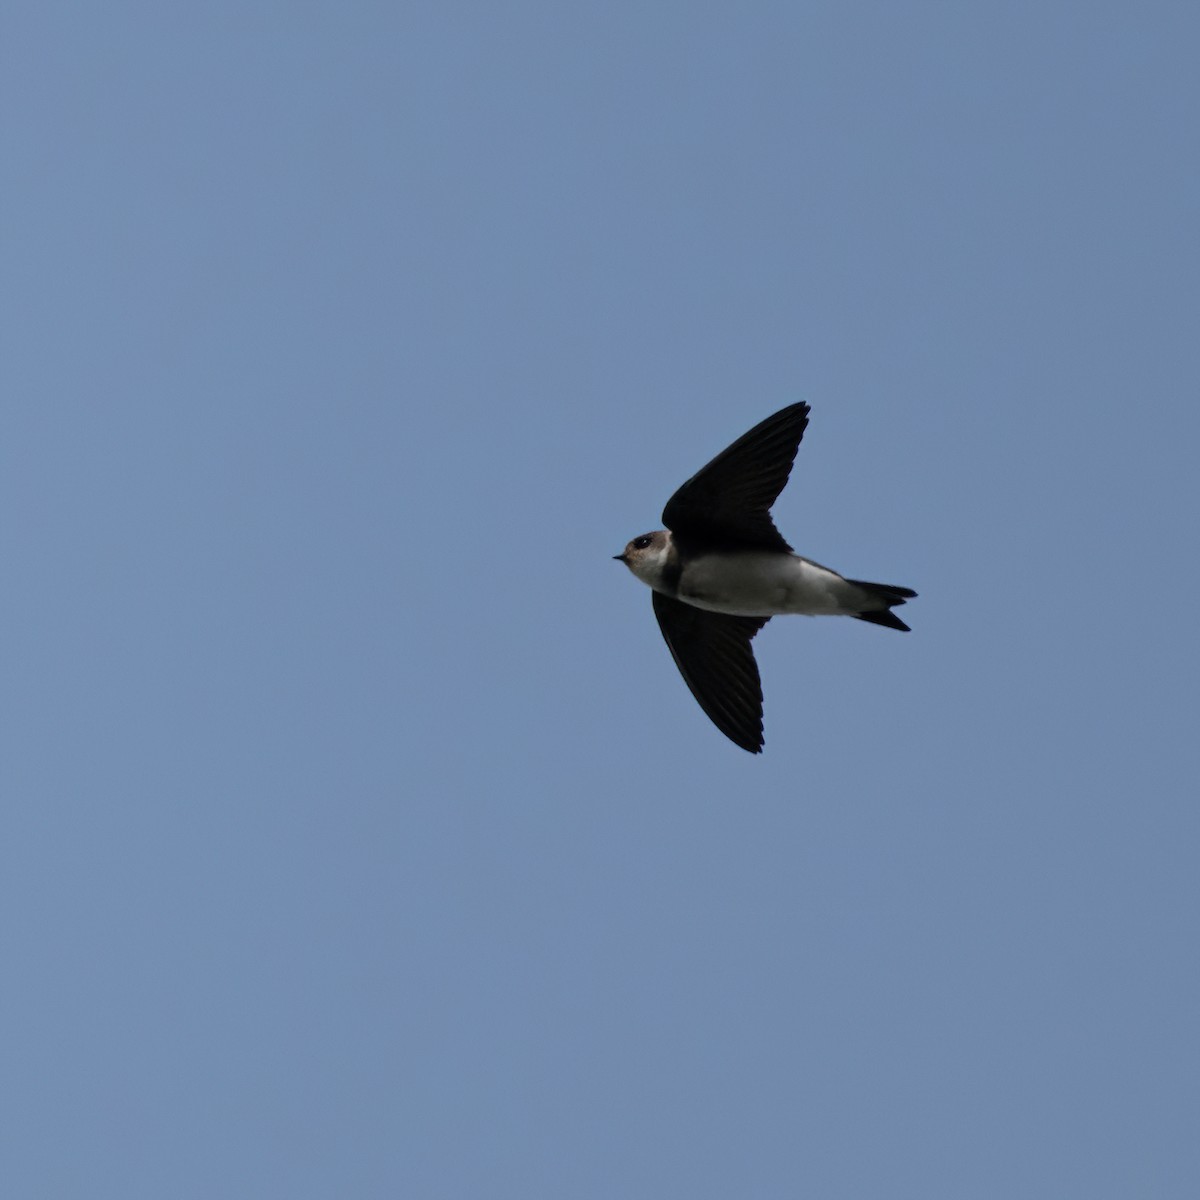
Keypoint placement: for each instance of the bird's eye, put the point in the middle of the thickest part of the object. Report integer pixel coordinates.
(642, 542)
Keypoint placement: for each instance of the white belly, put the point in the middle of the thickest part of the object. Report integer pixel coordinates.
(764, 584)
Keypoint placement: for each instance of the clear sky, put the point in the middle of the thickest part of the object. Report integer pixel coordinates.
(360, 838)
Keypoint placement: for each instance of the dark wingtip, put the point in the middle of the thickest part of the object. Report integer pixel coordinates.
(750, 740)
(748, 737)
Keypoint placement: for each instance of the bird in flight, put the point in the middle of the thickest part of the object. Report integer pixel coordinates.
(721, 570)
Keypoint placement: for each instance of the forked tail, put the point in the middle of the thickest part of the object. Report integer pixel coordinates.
(883, 598)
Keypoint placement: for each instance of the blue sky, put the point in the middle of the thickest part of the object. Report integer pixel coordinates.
(360, 837)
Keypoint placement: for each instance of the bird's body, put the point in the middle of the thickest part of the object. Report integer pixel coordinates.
(751, 583)
(721, 570)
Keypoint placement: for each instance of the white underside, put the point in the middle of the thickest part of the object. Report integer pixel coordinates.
(765, 584)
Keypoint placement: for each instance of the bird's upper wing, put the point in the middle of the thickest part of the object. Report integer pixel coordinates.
(713, 654)
(730, 499)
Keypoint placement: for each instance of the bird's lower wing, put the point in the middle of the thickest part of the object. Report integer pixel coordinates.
(713, 654)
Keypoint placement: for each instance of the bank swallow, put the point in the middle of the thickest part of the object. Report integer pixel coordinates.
(720, 571)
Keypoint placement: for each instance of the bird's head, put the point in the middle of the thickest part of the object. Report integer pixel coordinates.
(646, 556)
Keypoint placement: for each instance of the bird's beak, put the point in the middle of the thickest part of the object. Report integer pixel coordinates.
(621, 558)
